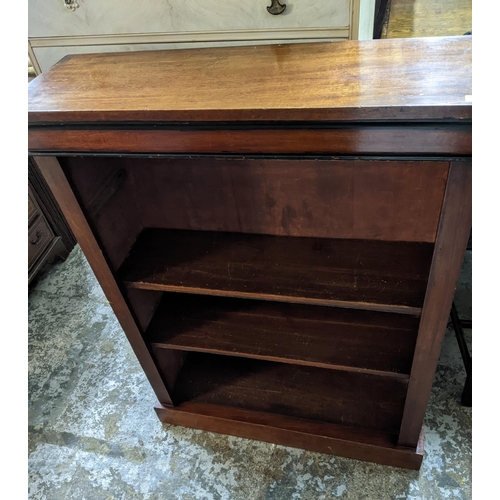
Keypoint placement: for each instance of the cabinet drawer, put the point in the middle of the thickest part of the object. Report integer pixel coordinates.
(93, 17)
(39, 237)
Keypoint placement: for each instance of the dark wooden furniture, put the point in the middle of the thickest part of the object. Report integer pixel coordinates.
(279, 229)
(49, 236)
(381, 7)
(458, 327)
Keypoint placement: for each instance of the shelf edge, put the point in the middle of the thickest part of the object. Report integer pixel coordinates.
(278, 359)
(366, 306)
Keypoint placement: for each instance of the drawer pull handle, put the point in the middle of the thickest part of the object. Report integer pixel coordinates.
(276, 8)
(38, 235)
(71, 4)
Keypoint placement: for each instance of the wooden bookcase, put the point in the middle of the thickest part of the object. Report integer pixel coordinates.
(282, 260)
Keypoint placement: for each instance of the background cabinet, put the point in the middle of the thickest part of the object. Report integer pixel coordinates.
(49, 235)
(56, 29)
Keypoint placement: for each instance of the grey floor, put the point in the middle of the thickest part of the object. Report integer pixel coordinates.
(93, 433)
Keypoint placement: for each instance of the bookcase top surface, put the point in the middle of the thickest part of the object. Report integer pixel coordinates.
(396, 79)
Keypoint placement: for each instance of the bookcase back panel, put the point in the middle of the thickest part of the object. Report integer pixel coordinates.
(355, 199)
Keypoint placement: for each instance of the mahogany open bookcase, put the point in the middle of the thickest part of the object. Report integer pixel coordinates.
(278, 229)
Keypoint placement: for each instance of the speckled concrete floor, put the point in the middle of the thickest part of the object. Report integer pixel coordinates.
(93, 433)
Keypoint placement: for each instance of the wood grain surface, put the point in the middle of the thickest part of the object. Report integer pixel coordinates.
(421, 18)
(353, 399)
(369, 139)
(352, 199)
(362, 274)
(378, 79)
(325, 337)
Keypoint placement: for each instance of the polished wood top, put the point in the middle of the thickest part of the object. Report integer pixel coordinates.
(407, 79)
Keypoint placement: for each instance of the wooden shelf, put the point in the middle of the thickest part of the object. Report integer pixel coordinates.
(351, 399)
(361, 274)
(291, 333)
